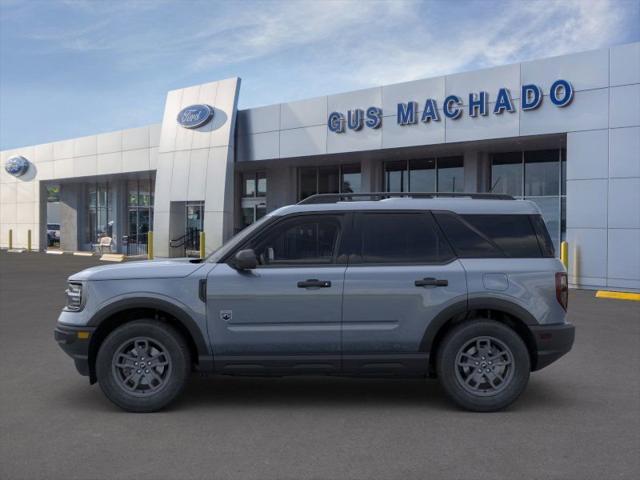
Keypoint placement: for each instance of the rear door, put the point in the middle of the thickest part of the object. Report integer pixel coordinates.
(401, 274)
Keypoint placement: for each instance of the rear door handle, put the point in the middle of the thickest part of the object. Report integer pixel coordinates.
(431, 282)
(314, 283)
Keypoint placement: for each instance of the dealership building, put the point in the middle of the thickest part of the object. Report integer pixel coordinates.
(563, 132)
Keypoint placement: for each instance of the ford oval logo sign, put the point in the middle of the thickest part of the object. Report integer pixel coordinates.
(17, 166)
(195, 116)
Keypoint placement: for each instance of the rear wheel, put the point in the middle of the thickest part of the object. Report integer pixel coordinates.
(143, 365)
(483, 365)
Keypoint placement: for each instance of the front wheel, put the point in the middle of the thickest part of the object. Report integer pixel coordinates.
(143, 365)
(483, 365)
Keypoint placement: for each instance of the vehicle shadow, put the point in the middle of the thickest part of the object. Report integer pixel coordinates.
(321, 393)
(313, 392)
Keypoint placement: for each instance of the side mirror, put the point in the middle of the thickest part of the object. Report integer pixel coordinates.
(245, 260)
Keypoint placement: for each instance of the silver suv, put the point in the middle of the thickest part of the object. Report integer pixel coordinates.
(465, 288)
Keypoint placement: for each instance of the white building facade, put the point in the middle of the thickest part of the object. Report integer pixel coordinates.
(563, 132)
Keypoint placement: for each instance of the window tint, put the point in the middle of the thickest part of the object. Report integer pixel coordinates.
(467, 241)
(513, 234)
(299, 241)
(400, 238)
(544, 240)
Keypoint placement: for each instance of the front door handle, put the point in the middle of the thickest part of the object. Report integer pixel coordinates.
(431, 282)
(314, 283)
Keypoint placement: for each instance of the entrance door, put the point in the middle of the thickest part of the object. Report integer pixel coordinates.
(285, 314)
(253, 209)
(401, 275)
(194, 225)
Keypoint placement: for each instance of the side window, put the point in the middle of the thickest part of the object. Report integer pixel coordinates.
(400, 238)
(467, 241)
(544, 240)
(514, 234)
(302, 240)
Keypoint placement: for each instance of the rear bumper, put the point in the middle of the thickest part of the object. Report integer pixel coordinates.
(75, 343)
(552, 342)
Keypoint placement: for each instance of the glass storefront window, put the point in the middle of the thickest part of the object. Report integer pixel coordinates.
(506, 173)
(422, 175)
(140, 215)
(541, 173)
(249, 186)
(451, 174)
(254, 184)
(53, 193)
(262, 185)
(100, 212)
(425, 175)
(351, 179)
(539, 176)
(253, 202)
(307, 182)
(394, 176)
(329, 179)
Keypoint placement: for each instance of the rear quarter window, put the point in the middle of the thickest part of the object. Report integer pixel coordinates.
(496, 236)
(513, 234)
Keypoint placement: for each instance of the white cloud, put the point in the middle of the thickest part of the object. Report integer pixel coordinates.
(534, 30)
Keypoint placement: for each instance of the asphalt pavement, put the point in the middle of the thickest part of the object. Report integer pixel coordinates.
(578, 419)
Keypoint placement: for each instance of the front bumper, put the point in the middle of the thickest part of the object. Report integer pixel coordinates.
(75, 343)
(552, 342)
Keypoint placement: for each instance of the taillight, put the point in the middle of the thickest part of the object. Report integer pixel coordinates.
(562, 289)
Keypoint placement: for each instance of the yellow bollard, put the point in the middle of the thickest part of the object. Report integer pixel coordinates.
(564, 254)
(10, 239)
(29, 240)
(201, 244)
(150, 245)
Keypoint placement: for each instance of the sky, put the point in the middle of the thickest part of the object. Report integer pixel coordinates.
(70, 68)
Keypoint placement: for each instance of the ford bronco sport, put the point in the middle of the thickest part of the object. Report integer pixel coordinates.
(465, 288)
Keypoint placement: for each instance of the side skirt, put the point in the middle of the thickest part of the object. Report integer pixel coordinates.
(401, 365)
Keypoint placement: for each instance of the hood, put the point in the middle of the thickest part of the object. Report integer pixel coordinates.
(173, 268)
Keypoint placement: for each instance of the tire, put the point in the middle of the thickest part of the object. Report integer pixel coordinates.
(494, 350)
(127, 377)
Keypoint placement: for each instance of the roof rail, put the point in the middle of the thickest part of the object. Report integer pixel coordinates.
(374, 196)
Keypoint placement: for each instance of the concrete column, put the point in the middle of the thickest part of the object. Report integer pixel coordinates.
(69, 211)
(42, 218)
(282, 187)
(371, 175)
(476, 172)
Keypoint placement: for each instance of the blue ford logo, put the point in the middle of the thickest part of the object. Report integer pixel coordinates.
(195, 116)
(17, 166)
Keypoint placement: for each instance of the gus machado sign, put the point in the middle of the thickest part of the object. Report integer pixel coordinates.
(560, 95)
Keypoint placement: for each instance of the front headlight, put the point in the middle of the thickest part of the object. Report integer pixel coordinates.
(74, 297)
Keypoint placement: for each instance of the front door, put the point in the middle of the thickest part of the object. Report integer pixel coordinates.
(401, 274)
(284, 315)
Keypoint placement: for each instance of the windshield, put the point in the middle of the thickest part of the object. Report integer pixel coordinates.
(237, 239)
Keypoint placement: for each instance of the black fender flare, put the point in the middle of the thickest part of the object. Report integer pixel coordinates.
(205, 359)
(506, 306)
(462, 307)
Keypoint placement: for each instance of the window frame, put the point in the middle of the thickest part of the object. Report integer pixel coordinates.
(354, 260)
(316, 168)
(344, 221)
(408, 168)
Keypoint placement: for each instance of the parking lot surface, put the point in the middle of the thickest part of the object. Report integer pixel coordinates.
(578, 419)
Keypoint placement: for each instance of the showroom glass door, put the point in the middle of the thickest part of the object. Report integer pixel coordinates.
(194, 225)
(139, 216)
(253, 202)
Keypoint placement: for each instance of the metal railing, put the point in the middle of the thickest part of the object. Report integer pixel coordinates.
(135, 245)
(189, 243)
